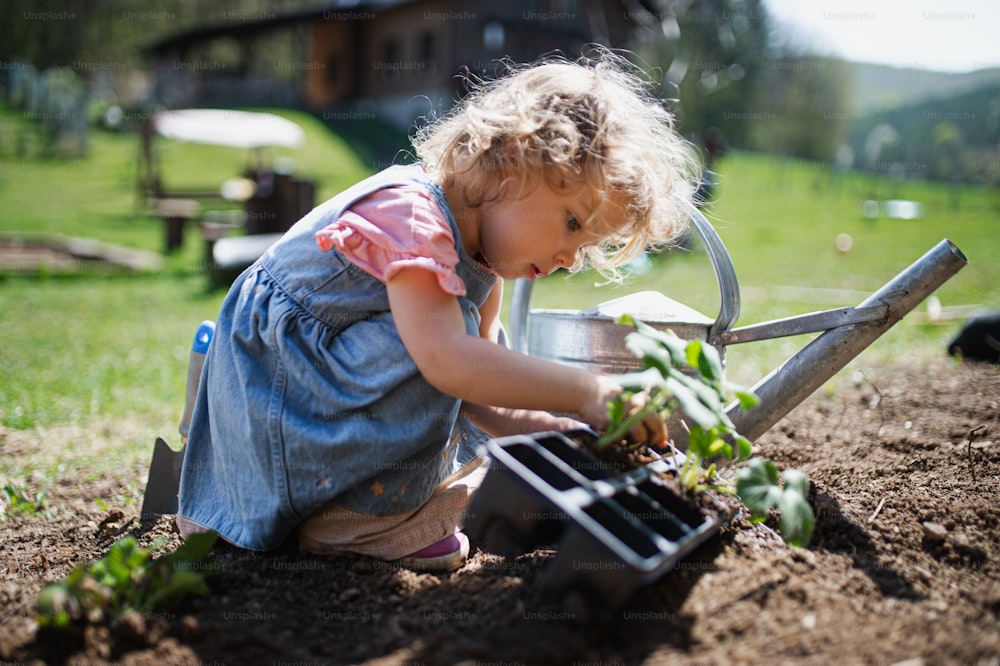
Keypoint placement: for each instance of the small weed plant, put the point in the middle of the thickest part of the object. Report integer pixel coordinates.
(18, 502)
(688, 375)
(127, 579)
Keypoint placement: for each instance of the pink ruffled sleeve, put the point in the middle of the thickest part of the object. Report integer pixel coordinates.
(393, 229)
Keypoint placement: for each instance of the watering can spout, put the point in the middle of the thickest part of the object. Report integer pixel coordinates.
(798, 377)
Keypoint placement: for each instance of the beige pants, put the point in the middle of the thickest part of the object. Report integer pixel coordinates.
(335, 529)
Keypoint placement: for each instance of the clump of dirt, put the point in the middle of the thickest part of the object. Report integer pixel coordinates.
(625, 455)
(903, 565)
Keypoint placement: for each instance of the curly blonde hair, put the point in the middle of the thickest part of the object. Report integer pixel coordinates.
(593, 122)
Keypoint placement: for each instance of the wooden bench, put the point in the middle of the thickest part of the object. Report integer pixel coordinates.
(175, 213)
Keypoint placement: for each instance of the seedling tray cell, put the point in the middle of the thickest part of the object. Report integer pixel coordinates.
(614, 530)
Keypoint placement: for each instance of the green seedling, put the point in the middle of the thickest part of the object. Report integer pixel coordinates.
(688, 375)
(128, 578)
(758, 488)
(18, 503)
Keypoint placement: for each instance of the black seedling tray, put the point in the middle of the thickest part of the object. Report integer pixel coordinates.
(614, 530)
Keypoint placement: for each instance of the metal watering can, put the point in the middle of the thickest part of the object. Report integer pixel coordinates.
(590, 339)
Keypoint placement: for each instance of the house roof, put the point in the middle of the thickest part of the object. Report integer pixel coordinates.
(341, 9)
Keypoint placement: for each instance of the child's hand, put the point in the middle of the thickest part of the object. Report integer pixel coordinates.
(595, 410)
(650, 430)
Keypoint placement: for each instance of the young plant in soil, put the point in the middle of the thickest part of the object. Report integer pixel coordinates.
(688, 375)
(125, 580)
(17, 502)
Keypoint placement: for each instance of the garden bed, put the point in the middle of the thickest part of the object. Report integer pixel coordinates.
(903, 565)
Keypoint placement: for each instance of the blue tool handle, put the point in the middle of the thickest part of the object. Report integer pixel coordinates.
(202, 339)
(203, 336)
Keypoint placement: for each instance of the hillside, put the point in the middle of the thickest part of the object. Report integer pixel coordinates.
(880, 87)
(944, 137)
(911, 122)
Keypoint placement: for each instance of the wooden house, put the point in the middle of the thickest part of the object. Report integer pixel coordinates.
(391, 60)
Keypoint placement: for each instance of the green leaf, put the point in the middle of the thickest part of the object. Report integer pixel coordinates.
(796, 480)
(625, 319)
(20, 503)
(194, 548)
(616, 408)
(57, 606)
(693, 408)
(705, 392)
(690, 474)
(719, 447)
(693, 353)
(701, 395)
(699, 439)
(797, 520)
(708, 395)
(757, 486)
(748, 399)
(676, 345)
(180, 584)
(192, 551)
(673, 343)
(744, 449)
(711, 399)
(123, 562)
(640, 380)
(705, 358)
(649, 352)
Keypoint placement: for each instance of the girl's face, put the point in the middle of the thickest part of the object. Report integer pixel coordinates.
(532, 236)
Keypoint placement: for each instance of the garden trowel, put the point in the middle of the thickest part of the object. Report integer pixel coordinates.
(165, 469)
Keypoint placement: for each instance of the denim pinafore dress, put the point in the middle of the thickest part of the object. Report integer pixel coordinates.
(308, 394)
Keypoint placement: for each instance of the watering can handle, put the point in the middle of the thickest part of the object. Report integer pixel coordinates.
(725, 275)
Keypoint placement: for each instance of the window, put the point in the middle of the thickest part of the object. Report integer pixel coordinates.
(425, 60)
(332, 70)
(493, 35)
(388, 68)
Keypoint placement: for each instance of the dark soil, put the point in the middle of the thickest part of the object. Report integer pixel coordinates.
(904, 566)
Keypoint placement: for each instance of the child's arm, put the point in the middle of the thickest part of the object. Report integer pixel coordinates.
(500, 421)
(479, 371)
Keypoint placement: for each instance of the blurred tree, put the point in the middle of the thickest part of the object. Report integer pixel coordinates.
(710, 55)
(801, 107)
(63, 33)
(948, 137)
(80, 33)
(946, 151)
(731, 68)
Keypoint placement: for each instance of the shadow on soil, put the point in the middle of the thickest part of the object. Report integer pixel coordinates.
(836, 533)
(258, 602)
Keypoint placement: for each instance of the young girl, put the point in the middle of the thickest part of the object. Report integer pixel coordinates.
(359, 363)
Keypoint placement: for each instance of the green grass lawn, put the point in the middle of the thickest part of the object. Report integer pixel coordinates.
(75, 349)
